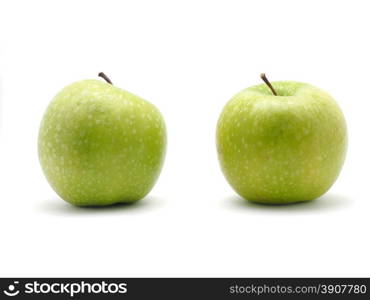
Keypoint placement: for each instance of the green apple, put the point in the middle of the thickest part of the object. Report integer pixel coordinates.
(281, 142)
(100, 145)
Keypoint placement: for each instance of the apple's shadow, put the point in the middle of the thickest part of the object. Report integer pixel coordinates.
(327, 202)
(60, 207)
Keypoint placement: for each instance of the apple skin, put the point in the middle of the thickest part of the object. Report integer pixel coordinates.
(281, 149)
(99, 145)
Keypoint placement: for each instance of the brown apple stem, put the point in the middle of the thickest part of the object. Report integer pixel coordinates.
(105, 77)
(264, 78)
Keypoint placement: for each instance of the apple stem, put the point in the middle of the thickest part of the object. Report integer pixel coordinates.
(264, 78)
(105, 77)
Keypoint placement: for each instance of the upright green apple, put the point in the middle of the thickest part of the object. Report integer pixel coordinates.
(281, 142)
(100, 145)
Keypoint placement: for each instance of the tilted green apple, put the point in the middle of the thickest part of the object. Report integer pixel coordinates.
(100, 145)
(281, 142)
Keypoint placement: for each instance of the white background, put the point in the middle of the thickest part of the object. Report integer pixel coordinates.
(188, 58)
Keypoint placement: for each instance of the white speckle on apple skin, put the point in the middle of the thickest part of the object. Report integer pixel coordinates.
(281, 149)
(97, 145)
